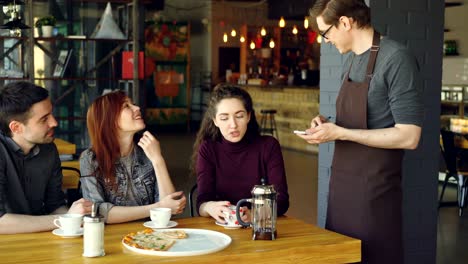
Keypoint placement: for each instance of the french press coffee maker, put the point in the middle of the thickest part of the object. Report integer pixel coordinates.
(263, 212)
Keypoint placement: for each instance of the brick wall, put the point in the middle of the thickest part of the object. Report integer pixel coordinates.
(419, 25)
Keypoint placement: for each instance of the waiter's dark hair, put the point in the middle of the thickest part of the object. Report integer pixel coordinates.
(332, 10)
(16, 100)
(208, 130)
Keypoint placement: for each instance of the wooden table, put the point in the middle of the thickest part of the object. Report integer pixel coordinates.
(297, 242)
(65, 147)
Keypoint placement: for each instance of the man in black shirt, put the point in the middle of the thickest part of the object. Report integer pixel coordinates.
(30, 175)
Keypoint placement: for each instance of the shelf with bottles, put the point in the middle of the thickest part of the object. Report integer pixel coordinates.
(260, 63)
(454, 94)
(294, 58)
(454, 99)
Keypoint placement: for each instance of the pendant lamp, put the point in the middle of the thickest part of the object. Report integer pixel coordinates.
(15, 21)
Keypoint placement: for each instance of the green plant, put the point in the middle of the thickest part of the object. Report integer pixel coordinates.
(46, 21)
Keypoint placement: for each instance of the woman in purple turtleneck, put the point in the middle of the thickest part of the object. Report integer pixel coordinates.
(230, 156)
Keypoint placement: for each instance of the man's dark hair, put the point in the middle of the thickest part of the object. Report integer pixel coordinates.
(332, 10)
(16, 100)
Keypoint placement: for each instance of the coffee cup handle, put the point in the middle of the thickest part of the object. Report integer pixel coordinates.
(57, 222)
(242, 223)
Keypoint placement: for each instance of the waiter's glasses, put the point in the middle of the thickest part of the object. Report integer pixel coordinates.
(324, 33)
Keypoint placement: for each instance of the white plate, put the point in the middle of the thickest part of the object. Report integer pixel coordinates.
(198, 242)
(59, 232)
(150, 224)
(228, 226)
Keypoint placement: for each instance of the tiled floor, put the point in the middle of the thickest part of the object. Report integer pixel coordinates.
(452, 232)
(301, 170)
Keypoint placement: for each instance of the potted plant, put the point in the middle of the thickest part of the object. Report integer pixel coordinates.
(46, 24)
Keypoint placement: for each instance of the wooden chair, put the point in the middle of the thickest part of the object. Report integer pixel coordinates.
(450, 154)
(71, 180)
(192, 199)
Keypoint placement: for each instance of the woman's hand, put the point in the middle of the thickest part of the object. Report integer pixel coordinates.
(150, 146)
(215, 210)
(176, 201)
(245, 215)
(81, 206)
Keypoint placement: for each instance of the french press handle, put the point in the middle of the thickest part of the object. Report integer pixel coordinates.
(242, 223)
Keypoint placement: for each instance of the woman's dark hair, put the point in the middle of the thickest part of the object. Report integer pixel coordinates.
(332, 10)
(16, 100)
(208, 130)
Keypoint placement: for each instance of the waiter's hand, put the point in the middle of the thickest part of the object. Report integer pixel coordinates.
(318, 120)
(322, 131)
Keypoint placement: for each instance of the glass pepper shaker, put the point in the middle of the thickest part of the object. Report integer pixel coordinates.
(93, 237)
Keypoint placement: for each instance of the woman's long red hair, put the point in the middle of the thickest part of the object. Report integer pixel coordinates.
(102, 120)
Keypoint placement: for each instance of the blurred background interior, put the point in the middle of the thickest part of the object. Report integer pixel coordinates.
(169, 54)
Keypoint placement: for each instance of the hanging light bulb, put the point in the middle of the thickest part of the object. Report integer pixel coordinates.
(282, 23)
(263, 31)
(242, 39)
(252, 45)
(233, 33)
(294, 30)
(319, 39)
(272, 43)
(225, 37)
(306, 22)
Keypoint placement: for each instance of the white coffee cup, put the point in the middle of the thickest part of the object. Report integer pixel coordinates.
(69, 223)
(160, 216)
(230, 215)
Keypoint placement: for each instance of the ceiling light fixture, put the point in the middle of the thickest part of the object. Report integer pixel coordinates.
(282, 23)
(294, 30)
(14, 25)
(272, 43)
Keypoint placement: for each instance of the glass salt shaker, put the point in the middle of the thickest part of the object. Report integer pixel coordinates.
(93, 237)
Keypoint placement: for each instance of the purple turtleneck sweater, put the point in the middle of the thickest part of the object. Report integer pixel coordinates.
(228, 171)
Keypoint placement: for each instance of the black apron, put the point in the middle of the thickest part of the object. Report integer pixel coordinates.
(365, 197)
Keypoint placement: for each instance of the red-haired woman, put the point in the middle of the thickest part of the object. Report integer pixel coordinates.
(125, 175)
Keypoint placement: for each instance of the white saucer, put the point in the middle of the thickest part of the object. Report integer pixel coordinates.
(59, 232)
(150, 224)
(228, 226)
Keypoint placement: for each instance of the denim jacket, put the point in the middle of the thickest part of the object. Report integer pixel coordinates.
(142, 182)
